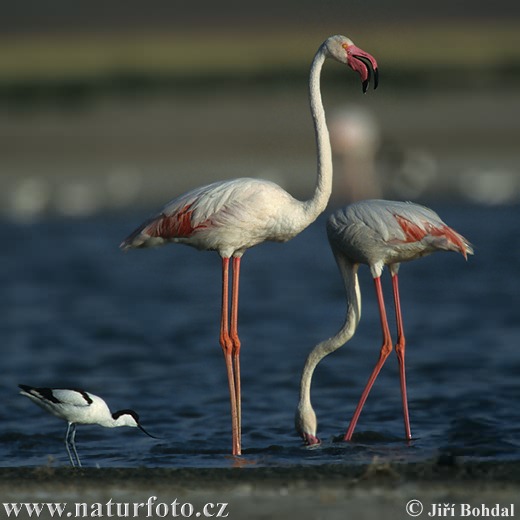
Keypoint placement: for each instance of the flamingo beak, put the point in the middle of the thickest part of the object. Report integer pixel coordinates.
(364, 64)
(310, 440)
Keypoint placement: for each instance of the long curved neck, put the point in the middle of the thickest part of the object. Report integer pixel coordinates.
(326, 347)
(318, 203)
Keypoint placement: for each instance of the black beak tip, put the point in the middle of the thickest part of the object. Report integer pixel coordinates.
(149, 434)
(365, 86)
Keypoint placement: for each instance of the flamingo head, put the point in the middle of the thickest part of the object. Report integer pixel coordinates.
(306, 424)
(342, 49)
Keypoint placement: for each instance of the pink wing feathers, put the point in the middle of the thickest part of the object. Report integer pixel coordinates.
(180, 217)
(376, 224)
(225, 203)
(417, 232)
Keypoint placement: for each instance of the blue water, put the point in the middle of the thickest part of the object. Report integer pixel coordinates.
(141, 330)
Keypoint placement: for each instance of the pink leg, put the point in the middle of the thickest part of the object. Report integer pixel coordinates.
(399, 350)
(236, 347)
(386, 348)
(227, 347)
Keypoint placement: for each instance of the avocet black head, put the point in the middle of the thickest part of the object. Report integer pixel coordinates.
(79, 407)
(130, 418)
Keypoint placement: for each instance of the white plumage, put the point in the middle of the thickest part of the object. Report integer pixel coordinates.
(382, 232)
(228, 217)
(375, 233)
(231, 216)
(79, 407)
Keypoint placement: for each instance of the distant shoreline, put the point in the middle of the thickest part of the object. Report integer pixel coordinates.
(67, 68)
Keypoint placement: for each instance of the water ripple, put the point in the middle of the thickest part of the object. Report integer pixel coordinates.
(141, 330)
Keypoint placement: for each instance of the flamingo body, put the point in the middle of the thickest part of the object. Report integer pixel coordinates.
(231, 216)
(228, 217)
(381, 232)
(375, 233)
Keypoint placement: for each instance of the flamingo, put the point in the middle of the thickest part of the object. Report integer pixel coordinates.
(375, 233)
(231, 216)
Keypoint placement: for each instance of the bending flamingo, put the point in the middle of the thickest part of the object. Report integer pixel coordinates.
(375, 233)
(231, 216)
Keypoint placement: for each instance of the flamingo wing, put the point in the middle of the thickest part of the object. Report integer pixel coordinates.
(372, 231)
(182, 216)
(227, 216)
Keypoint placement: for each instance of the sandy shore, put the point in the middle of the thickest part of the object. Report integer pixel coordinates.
(378, 490)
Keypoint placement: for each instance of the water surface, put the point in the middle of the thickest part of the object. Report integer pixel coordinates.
(141, 330)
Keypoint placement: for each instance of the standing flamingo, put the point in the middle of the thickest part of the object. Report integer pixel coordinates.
(231, 216)
(375, 233)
